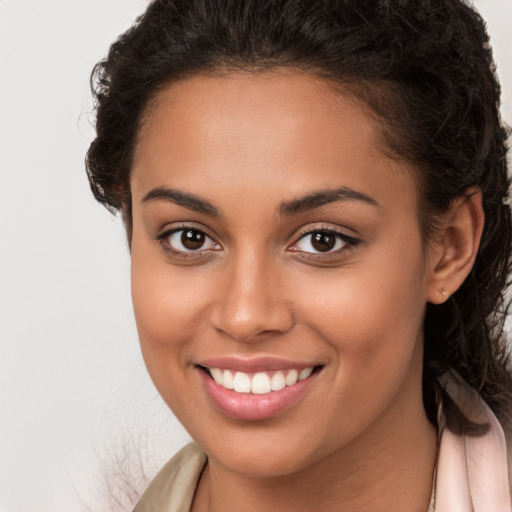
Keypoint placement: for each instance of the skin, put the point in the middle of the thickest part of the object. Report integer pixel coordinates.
(247, 143)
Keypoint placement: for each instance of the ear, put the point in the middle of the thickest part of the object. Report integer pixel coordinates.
(454, 250)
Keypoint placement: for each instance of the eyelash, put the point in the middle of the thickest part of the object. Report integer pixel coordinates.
(164, 237)
(348, 242)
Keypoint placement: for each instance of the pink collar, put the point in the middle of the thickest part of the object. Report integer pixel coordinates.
(472, 471)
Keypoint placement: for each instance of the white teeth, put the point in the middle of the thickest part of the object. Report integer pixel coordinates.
(217, 375)
(304, 374)
(278, 381)
(227, 379)
(242, 383)
(292, 377)
(259, 383)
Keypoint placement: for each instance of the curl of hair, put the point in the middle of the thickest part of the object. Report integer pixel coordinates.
(424, 67)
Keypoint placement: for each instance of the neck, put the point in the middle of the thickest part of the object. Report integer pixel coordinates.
(387, 468)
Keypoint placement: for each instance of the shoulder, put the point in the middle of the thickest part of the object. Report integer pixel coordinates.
(173, 487)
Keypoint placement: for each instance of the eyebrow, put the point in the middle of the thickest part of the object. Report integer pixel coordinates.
(322, 197)
(302, 204)
(185, 199)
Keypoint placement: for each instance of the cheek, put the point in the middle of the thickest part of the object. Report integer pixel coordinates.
(371, 315)
(372, 325)
(166, 312)
(166, 308)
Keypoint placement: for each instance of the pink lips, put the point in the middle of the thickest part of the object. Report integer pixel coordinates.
(248, 406)
(260, 364)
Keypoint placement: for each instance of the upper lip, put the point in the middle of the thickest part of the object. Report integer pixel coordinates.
(256, 364)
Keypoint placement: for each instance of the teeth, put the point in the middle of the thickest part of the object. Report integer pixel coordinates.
(227, 379)
(292, 377)
(217, 375)
(278, 382)
(242, 383)
(259, 383)
(304, 374)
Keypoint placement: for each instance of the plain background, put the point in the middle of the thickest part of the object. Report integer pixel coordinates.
(75, 400)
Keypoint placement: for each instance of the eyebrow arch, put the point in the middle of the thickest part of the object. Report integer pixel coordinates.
(321, 197)
(185, 199)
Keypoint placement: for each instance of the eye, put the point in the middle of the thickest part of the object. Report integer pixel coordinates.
(323, 241)
(188, 240)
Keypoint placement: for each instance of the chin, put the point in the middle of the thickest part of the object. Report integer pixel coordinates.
(262, 460)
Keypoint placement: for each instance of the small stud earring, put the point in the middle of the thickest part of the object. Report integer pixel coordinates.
(444, 293)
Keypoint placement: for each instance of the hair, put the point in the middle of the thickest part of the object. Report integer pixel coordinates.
(424, 67)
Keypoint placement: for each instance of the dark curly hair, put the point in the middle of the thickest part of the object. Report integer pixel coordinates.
(424, 67)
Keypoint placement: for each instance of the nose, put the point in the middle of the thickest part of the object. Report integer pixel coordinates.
(251, 301)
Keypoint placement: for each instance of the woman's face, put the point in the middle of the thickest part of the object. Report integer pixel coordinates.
(274, 244)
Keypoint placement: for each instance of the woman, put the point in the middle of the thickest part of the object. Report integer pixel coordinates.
(315, 195)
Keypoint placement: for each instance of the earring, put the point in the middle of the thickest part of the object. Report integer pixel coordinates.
(444, 293)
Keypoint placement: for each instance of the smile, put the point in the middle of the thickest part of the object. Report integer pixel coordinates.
(259, 383)
(256, 393)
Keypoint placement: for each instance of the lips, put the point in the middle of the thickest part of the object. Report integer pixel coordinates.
(255, 389)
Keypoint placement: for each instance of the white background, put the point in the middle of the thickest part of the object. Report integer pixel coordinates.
(75, 400)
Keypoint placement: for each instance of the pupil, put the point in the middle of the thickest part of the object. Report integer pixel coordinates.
(192, 239)
(323, 242)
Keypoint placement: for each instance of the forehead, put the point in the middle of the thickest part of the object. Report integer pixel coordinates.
(291, 129)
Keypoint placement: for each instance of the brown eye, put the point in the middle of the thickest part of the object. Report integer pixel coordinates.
(192, 239)
(189, 240)
(323, 241)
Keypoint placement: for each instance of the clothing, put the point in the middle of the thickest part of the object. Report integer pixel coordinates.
(173, 488)
(471, 471)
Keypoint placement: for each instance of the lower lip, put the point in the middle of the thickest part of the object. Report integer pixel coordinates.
(253, 407)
